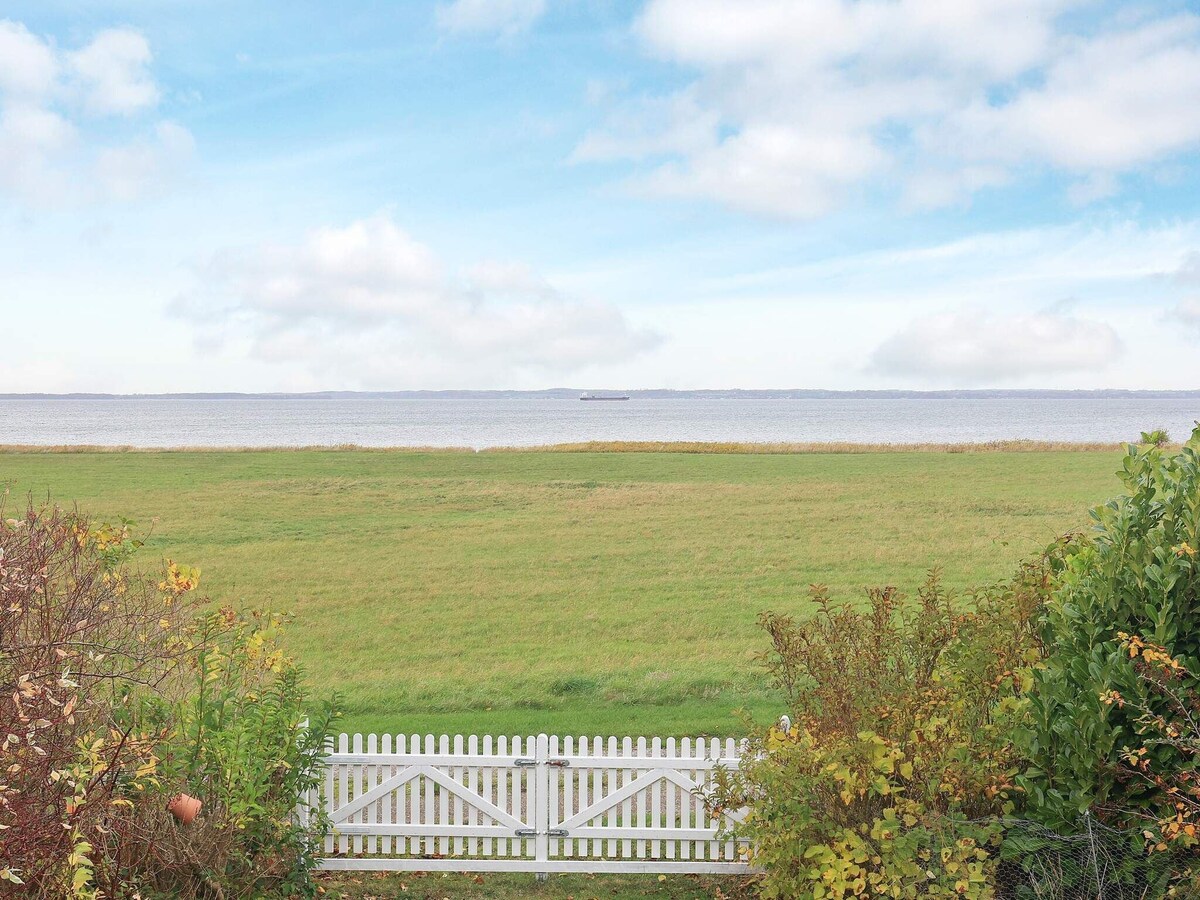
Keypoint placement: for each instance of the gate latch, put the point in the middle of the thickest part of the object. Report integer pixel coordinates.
(526, 832)
(558, 763)
(524, 762)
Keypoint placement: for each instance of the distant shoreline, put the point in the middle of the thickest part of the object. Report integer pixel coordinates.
(647, 394)
(686, 447)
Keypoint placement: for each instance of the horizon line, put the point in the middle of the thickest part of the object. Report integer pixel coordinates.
(642, 393)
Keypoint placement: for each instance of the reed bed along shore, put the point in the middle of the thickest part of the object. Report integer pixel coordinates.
(743, 447)
(1016, 446)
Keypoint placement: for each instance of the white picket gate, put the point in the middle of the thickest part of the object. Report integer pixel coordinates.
(534, 804)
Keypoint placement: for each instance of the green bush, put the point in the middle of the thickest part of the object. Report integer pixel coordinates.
(120, 691)
(901, 720)
(1156, 438)
(1131, 583)
(236, 735)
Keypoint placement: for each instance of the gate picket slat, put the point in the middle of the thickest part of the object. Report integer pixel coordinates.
(568, 793)
(516, 846)
(502, 791)
(458, 774)
(329, 799)
(671, 806)
(611, 817)
(627, 805)
(443, 796)
(343, 785)
(655, 805)
(581, 785)
(404, 801)
(430, 790)
(714, 751)
(473, 817)
(489, 845)
(371, 773)
(529, 814)
(730, 847)
(552, 795)
(639, 803)
(357, 787)
(597, 791)
(687, 804)
(695, 752)
(387, 805)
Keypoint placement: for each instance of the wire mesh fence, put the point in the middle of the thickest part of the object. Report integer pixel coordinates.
(1028, 861)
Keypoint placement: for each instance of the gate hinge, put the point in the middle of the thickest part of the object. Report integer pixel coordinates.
(526, 832)
(557, 832)
(524, 762)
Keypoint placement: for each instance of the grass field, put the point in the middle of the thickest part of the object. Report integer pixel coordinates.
(454, 886)
(599, 593)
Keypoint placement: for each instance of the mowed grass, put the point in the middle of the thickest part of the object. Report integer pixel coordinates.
(455, 886)
(593, 593)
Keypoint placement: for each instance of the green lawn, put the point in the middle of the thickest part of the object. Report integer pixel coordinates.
(598, 593)
(456, 886)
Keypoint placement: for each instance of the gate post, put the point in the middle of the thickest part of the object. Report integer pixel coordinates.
(541, 804)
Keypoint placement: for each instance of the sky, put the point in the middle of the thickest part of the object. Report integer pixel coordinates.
(520, 194)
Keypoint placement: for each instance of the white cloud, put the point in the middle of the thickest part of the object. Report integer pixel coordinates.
(52, 107)
(28, 66)
(503, 17)
(651, 127)
(1189, 270)
(368, 304)
(775, 170)
(113, 75)
(1106, 104)
(145, 165)
(978, 347)
(1187, 314)
(798, 105)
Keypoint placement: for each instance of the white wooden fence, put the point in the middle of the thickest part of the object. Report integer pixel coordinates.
(534, 804)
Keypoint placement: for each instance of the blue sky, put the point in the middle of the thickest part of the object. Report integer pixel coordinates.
(534, 193)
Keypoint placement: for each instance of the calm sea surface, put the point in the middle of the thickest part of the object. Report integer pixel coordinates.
(490, 423)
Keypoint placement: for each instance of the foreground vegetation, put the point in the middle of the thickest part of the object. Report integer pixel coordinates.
(1036, 738)
(154, 747)
(609, 593)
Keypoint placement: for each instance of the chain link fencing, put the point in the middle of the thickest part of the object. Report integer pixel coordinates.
(1093, 862)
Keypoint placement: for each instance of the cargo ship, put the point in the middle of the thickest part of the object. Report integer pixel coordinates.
(603, 396)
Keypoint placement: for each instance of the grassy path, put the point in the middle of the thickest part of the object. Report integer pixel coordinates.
(603, 593)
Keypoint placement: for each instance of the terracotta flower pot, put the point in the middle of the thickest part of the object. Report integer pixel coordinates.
(184, 808)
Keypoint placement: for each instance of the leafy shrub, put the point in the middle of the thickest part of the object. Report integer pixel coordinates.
(1156, 438)
(117, 692)
(1126, 603)
(236, 737)
(1168, 722)
(902, 714)
(80, 639)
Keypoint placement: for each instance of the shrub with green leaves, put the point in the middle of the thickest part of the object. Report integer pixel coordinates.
(1130, 583)
(240, 736)
(120, 690)
(901, 720)
(1156, 438)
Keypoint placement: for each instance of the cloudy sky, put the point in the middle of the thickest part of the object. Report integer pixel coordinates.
(534, 193)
